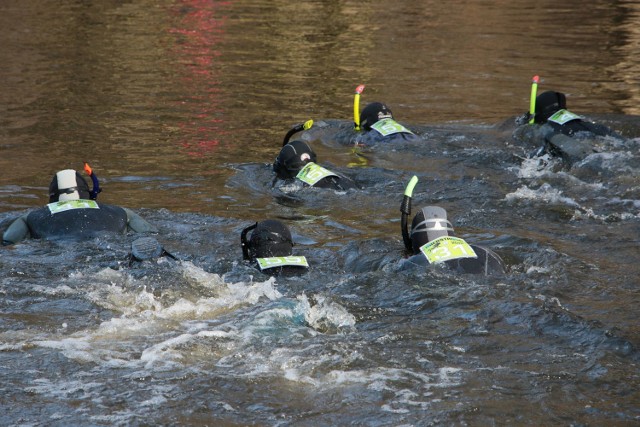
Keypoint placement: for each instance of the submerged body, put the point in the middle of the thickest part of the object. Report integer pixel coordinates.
(297, 162)
(559, 132)
(379, 127)
(270, 249)
(486, 263)
(432, 242)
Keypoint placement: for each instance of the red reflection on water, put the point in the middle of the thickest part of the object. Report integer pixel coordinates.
(199, 28)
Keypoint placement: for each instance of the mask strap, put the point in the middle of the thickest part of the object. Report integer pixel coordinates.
(69, 190)
(448, 227)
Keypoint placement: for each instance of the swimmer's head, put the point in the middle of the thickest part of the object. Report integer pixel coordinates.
(293, 157)
(547, 103)
(68, 185)
(429, 224)
(269, 238)
(373, 113)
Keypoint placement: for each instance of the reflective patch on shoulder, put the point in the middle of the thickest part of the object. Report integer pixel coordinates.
(57, 207)
(282, 261)
(311, 173)
(446, 248)
(389, 127)
(563, 116)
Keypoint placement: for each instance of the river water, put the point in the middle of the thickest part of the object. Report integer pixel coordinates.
(181, 107)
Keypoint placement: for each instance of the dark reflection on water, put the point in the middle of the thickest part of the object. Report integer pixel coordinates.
(181, 106)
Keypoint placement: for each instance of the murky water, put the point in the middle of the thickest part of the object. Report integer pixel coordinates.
(181, 106)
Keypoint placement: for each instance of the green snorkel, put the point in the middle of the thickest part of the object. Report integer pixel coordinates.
(405, 208)
(297, 128)
(532, 101)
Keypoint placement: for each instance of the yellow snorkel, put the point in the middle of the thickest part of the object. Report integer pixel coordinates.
(360, 160)
(356, 107)
(297, 128)
(307, 125)
(532, 101)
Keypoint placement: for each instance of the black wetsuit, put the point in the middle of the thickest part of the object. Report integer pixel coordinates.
(284, 271)
(77, 222)
(333, 181)
(339, 183)
(487, 263)
(584, 128)
(571, 140)
(373, 137)
(53, 221)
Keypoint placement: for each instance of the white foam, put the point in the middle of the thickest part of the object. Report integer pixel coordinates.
(537, 167)
(291, 187)
(326, 314)
(215, 334)
(62, 388)
(154, 401)
(12, 347)
(535, 269)
(201, 277)
(155, 322)
(388, 408)
(233, 328)
(612, 161)
(546, 193)
(447, 377)
(164, 352)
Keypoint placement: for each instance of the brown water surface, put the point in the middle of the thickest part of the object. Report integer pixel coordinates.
(180, 90)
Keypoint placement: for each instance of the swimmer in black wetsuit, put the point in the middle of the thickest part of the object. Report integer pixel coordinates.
(432, 242)
(377, 125)
(297, 161)
(560, 133)
(270, 247)
(73, 212)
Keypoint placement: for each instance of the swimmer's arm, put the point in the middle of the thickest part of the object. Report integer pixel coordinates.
(138, 224)
(570, 149)
(17, 231)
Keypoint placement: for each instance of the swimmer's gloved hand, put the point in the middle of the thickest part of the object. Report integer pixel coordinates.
(529, 116)
(523, 119)
(147, 248)
(17, 231)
